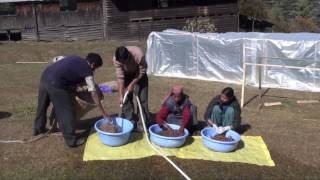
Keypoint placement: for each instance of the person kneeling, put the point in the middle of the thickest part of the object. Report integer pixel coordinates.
(224, 111)
(177, 109)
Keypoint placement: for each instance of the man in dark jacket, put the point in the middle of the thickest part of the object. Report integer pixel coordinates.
(177, 109)
(57, 86)
(224, 111)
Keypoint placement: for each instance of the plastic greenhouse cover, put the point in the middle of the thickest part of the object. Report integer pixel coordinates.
(220, 57)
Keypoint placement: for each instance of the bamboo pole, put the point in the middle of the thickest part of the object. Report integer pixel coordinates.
(272, 104)
(243, 74)
(284, 66)
(31, 62)
(307, 101)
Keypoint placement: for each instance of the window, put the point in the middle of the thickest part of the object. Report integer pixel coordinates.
(68, 5)
(7, 9)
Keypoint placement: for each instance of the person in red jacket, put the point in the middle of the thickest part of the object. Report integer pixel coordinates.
(177, 109)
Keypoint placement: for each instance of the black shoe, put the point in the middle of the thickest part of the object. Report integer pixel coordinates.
(39, 131)
(78, 142)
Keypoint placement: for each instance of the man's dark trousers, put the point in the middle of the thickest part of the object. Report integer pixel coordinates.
(63, 101)
(141, 90)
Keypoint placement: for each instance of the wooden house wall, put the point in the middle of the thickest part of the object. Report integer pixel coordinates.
(103, 18)
(133, 25)
(83, 24)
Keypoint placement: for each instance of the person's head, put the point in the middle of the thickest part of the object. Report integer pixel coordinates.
(227, 94)
(177, 93)
(122, 54)
(94, 60)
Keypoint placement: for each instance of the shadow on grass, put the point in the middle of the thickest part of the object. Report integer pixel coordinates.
(4, 114)
(189, 141)
(243, 128)
(135, 136)
(240, 145)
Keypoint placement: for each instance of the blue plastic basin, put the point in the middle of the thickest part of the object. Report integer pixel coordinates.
(219, 146)
(167, 142)
(115, 139)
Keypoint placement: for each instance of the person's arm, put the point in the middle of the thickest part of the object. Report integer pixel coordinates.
(162, 116)
(92, 89)
(97, 101)
(132, 84)
(120, 78)
(121, 91)
(207, 114)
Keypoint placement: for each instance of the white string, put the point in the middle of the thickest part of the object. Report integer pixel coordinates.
(154, 148)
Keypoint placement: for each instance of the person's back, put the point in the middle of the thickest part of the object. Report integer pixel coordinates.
(69, 71)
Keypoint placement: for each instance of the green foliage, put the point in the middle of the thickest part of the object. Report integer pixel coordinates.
(286, 15)
(199, 25)
(304, 8)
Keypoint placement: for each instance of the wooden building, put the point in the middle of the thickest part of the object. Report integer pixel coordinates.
(252, 24)
(109, 19)
(52, 20)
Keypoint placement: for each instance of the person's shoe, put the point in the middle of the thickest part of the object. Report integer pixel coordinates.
(78, 142)
(39, 131)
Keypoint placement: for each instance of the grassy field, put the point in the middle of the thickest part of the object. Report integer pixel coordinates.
(291, 131)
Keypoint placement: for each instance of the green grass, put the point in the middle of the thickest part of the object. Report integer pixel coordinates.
(292, 141)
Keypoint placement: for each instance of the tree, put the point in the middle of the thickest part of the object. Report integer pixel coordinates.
(303, 24)
(199, 25)
(304, 8)
(254, 8)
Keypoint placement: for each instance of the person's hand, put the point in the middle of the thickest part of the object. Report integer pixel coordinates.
(221, 129)
(107, 117)
(181, 131)
(120, 100)
(167, 127)
(210, 122)
(81, 104)
(215, 127)
(130, 88)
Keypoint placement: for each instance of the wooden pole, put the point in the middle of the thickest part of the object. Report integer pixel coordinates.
(104, 19)
(244, 73)
(284, 66)
(307, 101)
(272, 104)
(35, 15)
(31, 62)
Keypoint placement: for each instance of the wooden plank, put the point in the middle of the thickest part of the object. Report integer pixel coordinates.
(307, 101)
(267, 104)
(30, 62)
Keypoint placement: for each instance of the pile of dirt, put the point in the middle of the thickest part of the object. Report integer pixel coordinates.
(110, 128)
(221, 137)
(174, 133)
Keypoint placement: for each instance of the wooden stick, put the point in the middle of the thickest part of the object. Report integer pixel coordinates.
(243, 74)
(283, 66)
(31, 62)
(272, 104)
(307, 101)
(311, 119)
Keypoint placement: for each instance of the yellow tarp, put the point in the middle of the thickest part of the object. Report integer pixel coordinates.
(251, 150)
